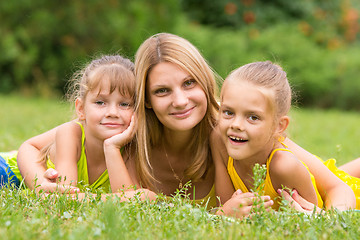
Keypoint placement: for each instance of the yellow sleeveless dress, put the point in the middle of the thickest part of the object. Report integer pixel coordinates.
(353, 182)
(102, 182)
(267, 185)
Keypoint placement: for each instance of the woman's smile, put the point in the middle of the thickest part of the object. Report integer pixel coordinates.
(182, 114)
(176, 98)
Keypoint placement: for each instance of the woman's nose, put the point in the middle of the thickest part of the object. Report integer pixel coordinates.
(180, 98)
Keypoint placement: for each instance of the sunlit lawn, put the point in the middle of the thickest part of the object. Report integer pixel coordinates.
(25, 215)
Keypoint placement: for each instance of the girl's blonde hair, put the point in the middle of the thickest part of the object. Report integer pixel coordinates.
(269, 76)
(165, 47)
(119, 71)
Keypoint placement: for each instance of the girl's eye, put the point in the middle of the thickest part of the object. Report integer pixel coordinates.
(254, 118)
(98, 102)
(189, 83)
(227, 113)
(125, 105)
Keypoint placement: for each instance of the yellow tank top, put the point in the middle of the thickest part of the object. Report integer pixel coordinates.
(209, 200)
(268, 187)
(83, 177)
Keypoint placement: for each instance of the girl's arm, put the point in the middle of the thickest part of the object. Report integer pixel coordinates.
(236, 204)
(33, 170)
(67, 152)
(287, 171)
(334, 192)
(352, 168)
(223, 186)
(118, 173)
(28, 162)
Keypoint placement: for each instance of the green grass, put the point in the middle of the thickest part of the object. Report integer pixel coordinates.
(25, 215)
(22, 118)
(327, 133)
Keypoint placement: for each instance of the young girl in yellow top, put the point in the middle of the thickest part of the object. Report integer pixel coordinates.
(255, 100)
(104, 100)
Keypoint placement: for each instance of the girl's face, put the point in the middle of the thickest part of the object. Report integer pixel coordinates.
(246, 120)
(106, 114)
(176, 98)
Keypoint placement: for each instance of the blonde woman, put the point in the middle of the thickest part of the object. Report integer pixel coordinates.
(176, 112)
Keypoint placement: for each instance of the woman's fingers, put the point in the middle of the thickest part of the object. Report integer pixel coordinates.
(288, 198)
(237, 192)
(299, 203)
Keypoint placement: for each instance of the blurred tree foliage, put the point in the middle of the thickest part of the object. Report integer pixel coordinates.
(42, 40)
(328, 22)
(316, 41)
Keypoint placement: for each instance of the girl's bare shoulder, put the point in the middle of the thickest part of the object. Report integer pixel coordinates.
(71, 127)
(285, 164)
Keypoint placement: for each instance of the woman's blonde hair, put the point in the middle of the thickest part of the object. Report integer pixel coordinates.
(119, 71)
(165, 47)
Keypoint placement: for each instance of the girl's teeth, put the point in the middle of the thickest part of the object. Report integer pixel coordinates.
(237, 139)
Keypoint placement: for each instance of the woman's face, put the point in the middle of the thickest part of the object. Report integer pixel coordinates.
(176, 98)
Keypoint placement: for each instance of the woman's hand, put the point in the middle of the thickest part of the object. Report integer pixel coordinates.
(243, 204)
(298, 203)
(49, 184)
(121, 139)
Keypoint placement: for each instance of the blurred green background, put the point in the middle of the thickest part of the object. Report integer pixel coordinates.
(316, 41)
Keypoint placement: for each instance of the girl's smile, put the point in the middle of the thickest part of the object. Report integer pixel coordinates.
(246, 120)
(237, 140)
(112, 124)
(105, 113)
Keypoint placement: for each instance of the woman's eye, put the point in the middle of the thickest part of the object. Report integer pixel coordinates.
(189, 83)
(161, 91)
